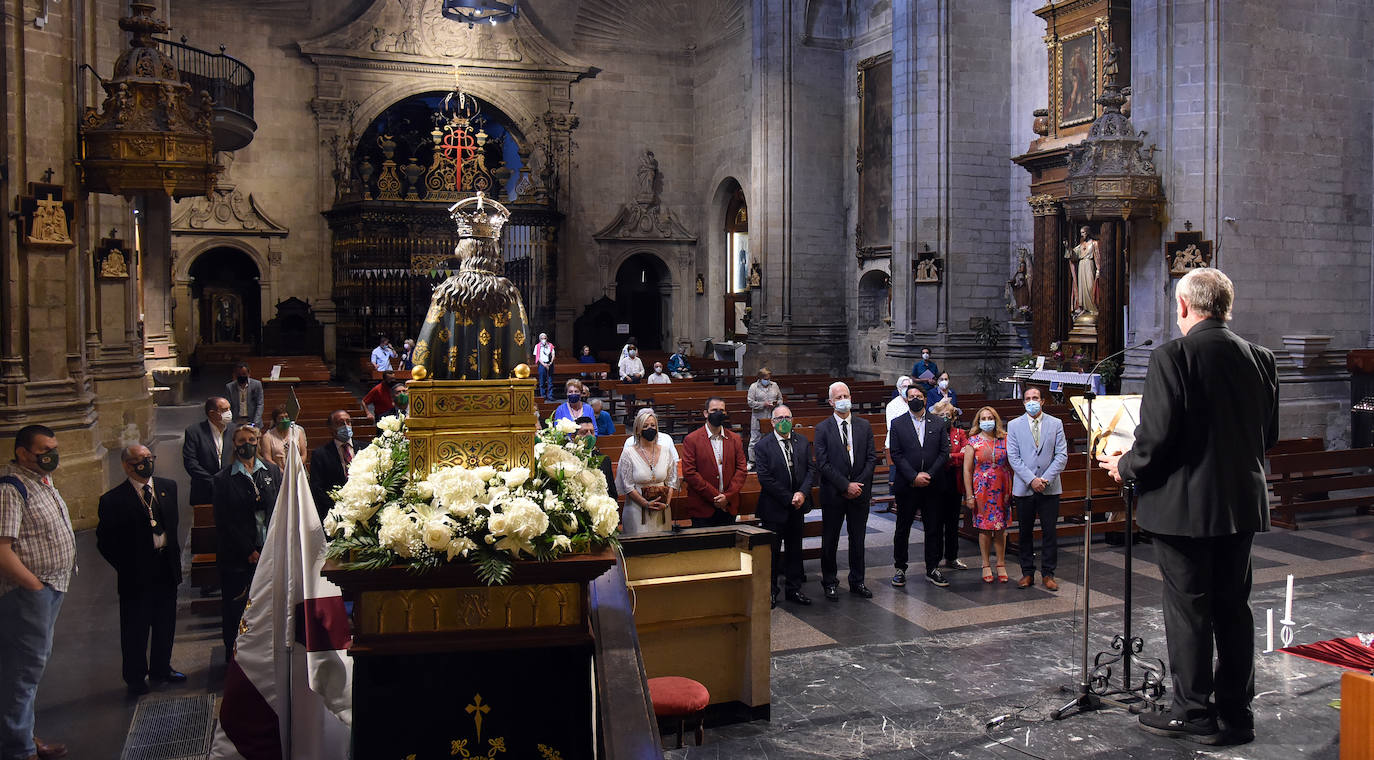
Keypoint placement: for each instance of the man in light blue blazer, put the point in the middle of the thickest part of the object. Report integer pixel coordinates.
(1037, 451)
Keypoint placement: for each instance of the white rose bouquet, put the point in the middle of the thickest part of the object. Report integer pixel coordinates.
(383, 515)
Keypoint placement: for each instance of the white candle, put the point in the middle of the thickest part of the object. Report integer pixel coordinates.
(1269, 630)
(1288, 603)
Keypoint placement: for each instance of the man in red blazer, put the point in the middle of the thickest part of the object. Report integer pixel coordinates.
(713, 467)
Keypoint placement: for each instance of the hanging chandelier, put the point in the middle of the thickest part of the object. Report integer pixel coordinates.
(474, 11)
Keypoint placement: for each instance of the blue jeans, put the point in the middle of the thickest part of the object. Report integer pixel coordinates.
(545, 381)
(27, 619)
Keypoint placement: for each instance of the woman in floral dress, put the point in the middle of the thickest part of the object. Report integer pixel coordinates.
(647, 476)
(987, 487)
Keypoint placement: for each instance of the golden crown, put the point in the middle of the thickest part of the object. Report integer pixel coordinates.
(479, 217)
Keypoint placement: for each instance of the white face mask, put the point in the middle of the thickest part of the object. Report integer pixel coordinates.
(226, 416)
(944, 384)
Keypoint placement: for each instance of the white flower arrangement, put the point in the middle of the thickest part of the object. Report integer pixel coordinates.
(384, 516)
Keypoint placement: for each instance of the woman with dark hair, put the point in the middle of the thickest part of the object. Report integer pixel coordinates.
(283, 434)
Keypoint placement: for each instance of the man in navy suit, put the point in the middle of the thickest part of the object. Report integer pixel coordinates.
(329, 462)
(137, 535)
(845, 458)
(782, 461)
(207, 448)
(920, 448)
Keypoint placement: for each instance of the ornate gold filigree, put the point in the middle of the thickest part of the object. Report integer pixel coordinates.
(484, 337)
(519, 337)
(443, 334)
(500, 319)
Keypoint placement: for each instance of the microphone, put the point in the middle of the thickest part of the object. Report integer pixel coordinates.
(1149, 342)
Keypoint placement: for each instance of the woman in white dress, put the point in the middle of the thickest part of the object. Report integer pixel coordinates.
(647, 476)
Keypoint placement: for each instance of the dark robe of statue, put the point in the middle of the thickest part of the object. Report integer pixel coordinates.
(476, 327)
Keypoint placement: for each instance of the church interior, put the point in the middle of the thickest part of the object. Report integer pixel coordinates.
(820, 190)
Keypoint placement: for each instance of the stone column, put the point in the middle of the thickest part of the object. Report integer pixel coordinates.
(155, 237)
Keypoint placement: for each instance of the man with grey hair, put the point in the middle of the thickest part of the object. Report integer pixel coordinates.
(602, 418)
(845, 459)
(1209, 413)
(137, 535)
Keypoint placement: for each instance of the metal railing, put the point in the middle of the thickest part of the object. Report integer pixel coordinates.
(226, 78)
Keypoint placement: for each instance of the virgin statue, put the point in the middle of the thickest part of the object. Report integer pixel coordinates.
(1083, 271)
(476, 327)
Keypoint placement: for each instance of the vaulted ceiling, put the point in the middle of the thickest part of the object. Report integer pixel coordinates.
(636, 25)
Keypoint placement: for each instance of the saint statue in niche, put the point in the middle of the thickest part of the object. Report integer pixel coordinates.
(226, 319)
(1019, 288)
(645, 180)
(755, 275)
(476, 327)
(1083, 268)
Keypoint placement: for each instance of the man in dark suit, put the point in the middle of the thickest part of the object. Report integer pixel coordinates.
(920, 448)
(1209, 413)
(207, 448)
(713, 468)
(245, 493)
(845, 458)
(782, 461)
(245, 397)
(329, 462)
(137, 534)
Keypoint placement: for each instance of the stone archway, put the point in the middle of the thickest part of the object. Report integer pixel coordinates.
(644, 292)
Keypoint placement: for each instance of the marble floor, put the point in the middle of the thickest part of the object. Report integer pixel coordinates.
(917, 672)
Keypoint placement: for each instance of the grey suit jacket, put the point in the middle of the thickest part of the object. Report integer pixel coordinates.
(231, 392)
(1029, 462)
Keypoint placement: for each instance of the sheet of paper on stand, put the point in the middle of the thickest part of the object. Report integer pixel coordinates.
(1114, 418)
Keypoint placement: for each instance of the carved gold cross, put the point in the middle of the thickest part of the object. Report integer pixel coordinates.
(477, 710)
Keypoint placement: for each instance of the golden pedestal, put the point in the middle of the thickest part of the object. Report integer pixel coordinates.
(471, 423)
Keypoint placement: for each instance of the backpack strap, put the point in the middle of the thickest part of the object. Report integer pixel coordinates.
(17, 484)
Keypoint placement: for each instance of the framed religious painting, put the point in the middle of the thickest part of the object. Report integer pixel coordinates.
(873, 232)
(1077, 85)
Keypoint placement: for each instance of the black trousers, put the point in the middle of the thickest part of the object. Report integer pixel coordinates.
(1207, 608)
(929, 502)
(719, 517)
(954, 503)
(1028, 508)
(150, 612)
(852, 515)
(787, 551)
(233, 583)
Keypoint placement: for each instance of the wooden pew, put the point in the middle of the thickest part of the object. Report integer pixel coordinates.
(1304, 482)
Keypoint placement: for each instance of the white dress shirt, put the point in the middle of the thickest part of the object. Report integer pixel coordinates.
(718, 448)
(850, 422)
(159, 540)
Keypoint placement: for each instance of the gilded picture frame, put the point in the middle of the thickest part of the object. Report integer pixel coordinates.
(1076, 78)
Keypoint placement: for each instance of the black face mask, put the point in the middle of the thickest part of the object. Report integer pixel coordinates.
(246, 450)
(144, 468)
(243, 379)
(649, 433)
(717, 418)
(916, 404)
(47, 462)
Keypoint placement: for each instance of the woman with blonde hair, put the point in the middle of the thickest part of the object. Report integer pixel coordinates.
(647, 476)
(987, 487)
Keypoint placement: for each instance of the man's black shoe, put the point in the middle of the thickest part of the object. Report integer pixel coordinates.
(798, 597)
(1164, 723)
(138, 689)
(832, 593)
(171, 676)
(861, 590)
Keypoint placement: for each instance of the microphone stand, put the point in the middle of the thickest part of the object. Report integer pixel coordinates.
(1094, 689)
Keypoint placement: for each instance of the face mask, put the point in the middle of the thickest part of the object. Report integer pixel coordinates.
(589, 437)
(1032, 408)
(284, 424)
(402, 399)
(916, 404)
(226, 417)
(47, 462)
(987, 426)
(632, 353)
(649, 433)
(844, 405)
(717, 418)
(783, 426)
(944, 384)
(658, 370)
(763, 381)
(574, 398)
(144, 468)
(344, 433)
(243, 379)
(246, 450)
(925, 356)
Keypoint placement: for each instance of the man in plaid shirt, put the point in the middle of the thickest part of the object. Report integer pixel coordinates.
(37, 560)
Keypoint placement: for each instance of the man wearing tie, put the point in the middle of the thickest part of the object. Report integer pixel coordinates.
(714, 468)
(782, 462)
(207, 448)
(845, 458)
(137, 535)
(919, 443)
(1037, 452)
(329, 462)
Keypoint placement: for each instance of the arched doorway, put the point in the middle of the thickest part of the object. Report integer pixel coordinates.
(227, 299)
(644, 291)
